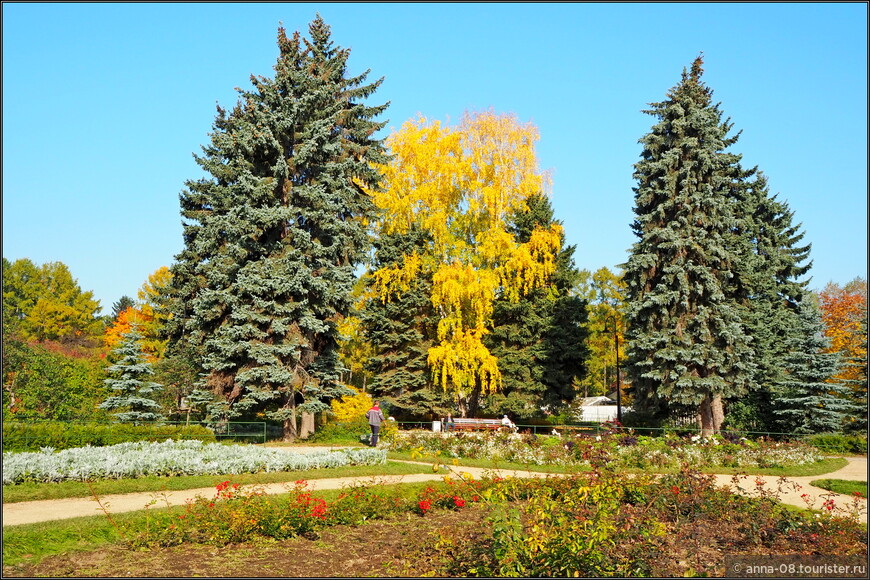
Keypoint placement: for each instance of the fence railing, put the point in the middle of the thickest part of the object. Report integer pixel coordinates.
(593, 428)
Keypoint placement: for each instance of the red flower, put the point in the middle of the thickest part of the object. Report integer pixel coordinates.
(425, 505)
(675, 490)
(458, 501)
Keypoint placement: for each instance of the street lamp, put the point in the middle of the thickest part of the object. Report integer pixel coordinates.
(618, 389)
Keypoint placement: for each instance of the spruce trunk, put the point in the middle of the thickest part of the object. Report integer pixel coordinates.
(290, 432)
(712, 415)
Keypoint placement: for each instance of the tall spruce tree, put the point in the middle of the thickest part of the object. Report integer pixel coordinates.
(770, 287)
(133, 391)
(806, 400)
(273, 236)
(400, 329)
(539, 340)
(688, 349)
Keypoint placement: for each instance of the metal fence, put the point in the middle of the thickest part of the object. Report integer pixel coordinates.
(594, 428)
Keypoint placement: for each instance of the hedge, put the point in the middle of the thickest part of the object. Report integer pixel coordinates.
(20, 436)
(839, 444)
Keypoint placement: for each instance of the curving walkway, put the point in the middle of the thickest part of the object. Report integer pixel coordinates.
(791, 491)
(798, 491)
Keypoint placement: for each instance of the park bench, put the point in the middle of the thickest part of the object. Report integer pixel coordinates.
(464, 423)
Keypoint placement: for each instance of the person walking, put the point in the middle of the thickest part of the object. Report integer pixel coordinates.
(375, 417)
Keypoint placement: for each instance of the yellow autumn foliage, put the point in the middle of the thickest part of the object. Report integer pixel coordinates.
(149, 317)
(460, 184)
(462, 363)
(390, 280)
(351, 408)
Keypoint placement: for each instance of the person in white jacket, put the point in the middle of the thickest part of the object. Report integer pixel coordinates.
(375, 417)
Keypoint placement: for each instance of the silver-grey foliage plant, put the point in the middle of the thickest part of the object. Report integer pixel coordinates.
(141, 458)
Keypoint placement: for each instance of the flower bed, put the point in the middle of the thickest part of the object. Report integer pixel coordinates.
(170, 458)
(587, 524)
(623, 447)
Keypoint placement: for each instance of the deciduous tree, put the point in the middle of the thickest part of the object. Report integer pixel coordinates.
(844, 312)
(604, 292)
(459, 185)
(400, 330)
(46, 303)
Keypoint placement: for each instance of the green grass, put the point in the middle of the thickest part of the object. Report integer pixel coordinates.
(66, 489)
(843, 486)
(827, 465)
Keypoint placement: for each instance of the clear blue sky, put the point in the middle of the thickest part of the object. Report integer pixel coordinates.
(104, 105)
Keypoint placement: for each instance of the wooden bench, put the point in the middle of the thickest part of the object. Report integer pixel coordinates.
(463, 424)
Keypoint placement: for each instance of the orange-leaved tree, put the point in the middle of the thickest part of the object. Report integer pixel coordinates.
(844, 312)
(148, 316)
(459, 184)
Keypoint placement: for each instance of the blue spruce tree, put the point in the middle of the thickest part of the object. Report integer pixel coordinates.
(806, 402)
(133, 389)
(272, 238)
(688, 348)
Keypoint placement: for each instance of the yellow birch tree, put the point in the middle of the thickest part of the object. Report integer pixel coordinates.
(460, 184)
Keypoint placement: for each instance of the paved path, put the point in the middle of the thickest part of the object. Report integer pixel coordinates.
(46, 510)
(798, 491)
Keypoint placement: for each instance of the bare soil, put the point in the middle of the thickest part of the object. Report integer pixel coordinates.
(386, 548)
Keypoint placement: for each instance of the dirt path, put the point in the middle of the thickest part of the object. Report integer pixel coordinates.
(791, 492)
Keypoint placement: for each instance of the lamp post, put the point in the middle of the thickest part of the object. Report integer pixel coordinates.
(618, 389)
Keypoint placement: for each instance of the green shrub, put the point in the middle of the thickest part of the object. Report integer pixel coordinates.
(340, 433)
(839, 444)
(347, 433)
(20, 436)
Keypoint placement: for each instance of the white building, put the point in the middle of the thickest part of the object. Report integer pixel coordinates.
(598, 409)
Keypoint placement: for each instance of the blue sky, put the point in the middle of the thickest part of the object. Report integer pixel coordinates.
(104, 105)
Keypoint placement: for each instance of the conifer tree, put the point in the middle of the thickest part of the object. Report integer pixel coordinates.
(133, 391)
(400, 331)
(121, 305)
(688, 348)
(806, 400)
(769, 286)
(272, 237)
(539, 340)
